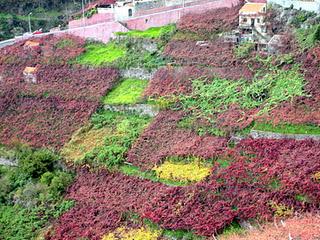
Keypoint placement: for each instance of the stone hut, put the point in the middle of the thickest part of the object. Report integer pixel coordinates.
(30, 74)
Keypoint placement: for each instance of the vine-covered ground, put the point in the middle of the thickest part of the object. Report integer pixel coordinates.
(190, 172)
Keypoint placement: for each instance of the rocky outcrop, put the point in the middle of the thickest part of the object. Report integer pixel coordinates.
(255, 134)
(8, 162)
(139, 73)
(141, 109)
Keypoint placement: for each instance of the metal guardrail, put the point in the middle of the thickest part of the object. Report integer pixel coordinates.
(7, 43)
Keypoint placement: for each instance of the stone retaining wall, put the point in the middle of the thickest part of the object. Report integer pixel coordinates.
(139, 73)
(8, 162)
(141, 109)
(255, 134)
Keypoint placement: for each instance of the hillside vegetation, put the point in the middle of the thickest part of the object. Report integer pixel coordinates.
(99, 155)
(14, 20)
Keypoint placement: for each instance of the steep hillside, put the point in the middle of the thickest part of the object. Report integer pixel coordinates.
(168, 133)
(14, 15)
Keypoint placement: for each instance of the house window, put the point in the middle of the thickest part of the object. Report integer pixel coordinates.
(252, 21)
(146, 20)
(258, 20)
(245, 20)
(130, 12)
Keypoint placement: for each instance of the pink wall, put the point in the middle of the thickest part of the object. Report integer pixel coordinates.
(105, 30)
(96, 18)
(156, 19)
(100, 32)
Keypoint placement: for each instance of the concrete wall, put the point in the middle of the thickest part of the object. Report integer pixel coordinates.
(105, 30)
(95, 19)
(100, 32)
(149, 5)
(313, 6)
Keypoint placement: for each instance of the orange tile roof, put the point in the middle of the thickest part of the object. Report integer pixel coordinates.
(250, 8)
(31, 44)
(30, 70)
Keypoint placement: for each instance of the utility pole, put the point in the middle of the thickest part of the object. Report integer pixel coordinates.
(83, 21)
(29, 18)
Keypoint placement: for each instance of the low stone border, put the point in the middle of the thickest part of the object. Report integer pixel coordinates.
(139, 73)
(255, 134)
(8, 162)
(141, 109)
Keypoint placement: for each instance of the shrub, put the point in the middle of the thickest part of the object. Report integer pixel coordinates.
(30, 195)
(59, 183)
(33, 163)
(19, 223)
(307, 38)
(243, 50)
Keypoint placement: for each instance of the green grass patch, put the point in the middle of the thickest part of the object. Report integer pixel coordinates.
(224, 163)
(151, 33)
(287, 128)
(233, 229)
(302, 198)
(129, 91)
(106, 140)
(275, 184)
(98, 54)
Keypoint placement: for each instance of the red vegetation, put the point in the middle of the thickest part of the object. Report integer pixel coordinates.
(257, 173)
(174, 81)
(235, 118)
(303, 227)
(217, 54)
(102, 200)
(46, 113)
(43, 122)
(163, 138)
(216, 20)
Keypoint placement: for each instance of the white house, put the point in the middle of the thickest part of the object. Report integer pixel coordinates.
(252, 23)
